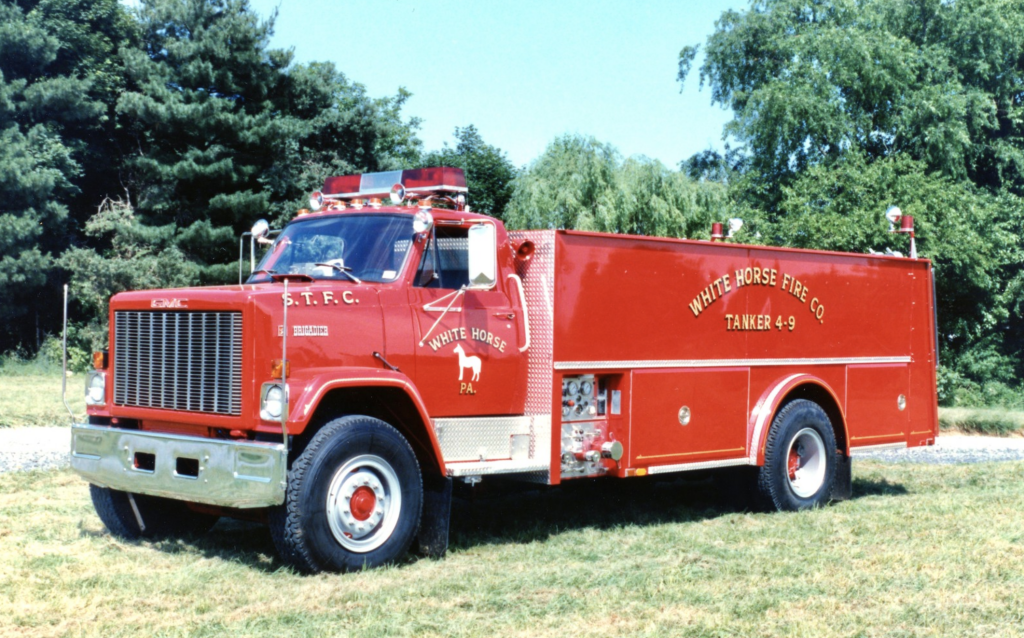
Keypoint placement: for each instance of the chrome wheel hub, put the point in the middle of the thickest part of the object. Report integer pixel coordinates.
(364, 502)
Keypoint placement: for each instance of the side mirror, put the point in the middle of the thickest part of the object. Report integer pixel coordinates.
(483, 259)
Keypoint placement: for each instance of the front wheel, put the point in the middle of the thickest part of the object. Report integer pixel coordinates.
(800, 459)
(353, 501)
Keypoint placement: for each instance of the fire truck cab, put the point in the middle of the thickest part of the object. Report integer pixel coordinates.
(390, 342)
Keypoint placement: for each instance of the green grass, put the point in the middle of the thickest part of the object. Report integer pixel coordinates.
(996, 421)
(921, 551)
(34, 399)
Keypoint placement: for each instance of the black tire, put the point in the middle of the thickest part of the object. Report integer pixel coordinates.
(315, 529)
(802, 428)
(161, 517)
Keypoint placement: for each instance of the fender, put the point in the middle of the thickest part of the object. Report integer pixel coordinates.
(312, 384)
(765, 408)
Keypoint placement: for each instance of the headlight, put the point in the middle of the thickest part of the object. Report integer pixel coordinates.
(95, 388)
(272, 402)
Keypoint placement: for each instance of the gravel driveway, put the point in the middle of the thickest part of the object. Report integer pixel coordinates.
(954, 448)
(35, 448)
(46, 448)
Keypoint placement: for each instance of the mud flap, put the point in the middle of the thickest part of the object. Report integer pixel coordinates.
(437, 507)
(842, 484)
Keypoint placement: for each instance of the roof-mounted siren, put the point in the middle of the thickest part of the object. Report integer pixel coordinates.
(438, 183)
(906, 222)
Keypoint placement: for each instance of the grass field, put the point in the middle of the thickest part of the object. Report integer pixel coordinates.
(921, 551)
(34, 399)
(982, 420)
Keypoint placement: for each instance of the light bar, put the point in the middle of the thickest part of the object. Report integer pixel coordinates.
(441, 179)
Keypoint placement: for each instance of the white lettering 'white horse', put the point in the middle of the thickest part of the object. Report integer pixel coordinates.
(468, 362)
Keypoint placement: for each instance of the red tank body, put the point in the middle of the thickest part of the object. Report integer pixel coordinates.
(538, 355)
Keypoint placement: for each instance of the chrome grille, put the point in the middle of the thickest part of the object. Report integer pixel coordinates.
(188, 361)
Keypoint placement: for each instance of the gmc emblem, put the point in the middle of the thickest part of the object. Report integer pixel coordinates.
(169, 303)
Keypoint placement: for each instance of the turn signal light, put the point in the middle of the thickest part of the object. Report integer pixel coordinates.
(277, 366)
(99, 360)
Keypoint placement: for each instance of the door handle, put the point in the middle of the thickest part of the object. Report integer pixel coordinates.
(506, 315)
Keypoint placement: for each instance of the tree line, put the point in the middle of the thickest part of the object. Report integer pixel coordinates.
(136, 144)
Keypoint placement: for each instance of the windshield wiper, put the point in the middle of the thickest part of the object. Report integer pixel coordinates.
(345, 270)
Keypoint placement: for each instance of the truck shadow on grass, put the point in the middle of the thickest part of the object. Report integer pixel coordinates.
(515, 513)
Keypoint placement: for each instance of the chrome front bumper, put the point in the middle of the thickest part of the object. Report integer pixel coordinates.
(215, 472)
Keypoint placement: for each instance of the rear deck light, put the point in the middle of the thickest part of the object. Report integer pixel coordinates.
(525, 250)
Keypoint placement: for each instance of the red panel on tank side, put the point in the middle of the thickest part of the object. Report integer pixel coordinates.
(633, 298)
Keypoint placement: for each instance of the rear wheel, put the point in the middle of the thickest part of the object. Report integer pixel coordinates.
(354, 498)
(135, 516)
(800, 458)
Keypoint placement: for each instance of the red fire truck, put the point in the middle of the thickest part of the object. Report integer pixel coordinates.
(391, 342)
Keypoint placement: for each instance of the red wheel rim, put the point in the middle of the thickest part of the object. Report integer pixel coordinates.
(363, 502)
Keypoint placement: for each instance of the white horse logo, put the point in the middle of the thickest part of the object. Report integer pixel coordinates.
(468, 362)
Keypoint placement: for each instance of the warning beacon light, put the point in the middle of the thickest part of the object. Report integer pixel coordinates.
(421, 182)
(906, 222)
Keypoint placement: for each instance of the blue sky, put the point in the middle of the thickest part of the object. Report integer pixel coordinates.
(523, 72)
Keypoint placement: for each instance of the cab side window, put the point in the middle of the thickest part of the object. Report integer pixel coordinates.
(445, 263)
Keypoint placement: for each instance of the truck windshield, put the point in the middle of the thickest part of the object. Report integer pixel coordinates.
(368, 247)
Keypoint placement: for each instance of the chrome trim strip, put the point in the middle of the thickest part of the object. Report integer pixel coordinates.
(878, 448)
(231, 473)
(700, 465)
(721, 363)
(496, 467)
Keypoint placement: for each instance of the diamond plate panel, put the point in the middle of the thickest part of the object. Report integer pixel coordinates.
(480, 439)
(538, 275)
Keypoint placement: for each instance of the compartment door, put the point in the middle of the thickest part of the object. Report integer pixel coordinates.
(873, 413)
(716, 399)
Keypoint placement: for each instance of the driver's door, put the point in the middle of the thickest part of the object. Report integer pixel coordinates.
(468, 361)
